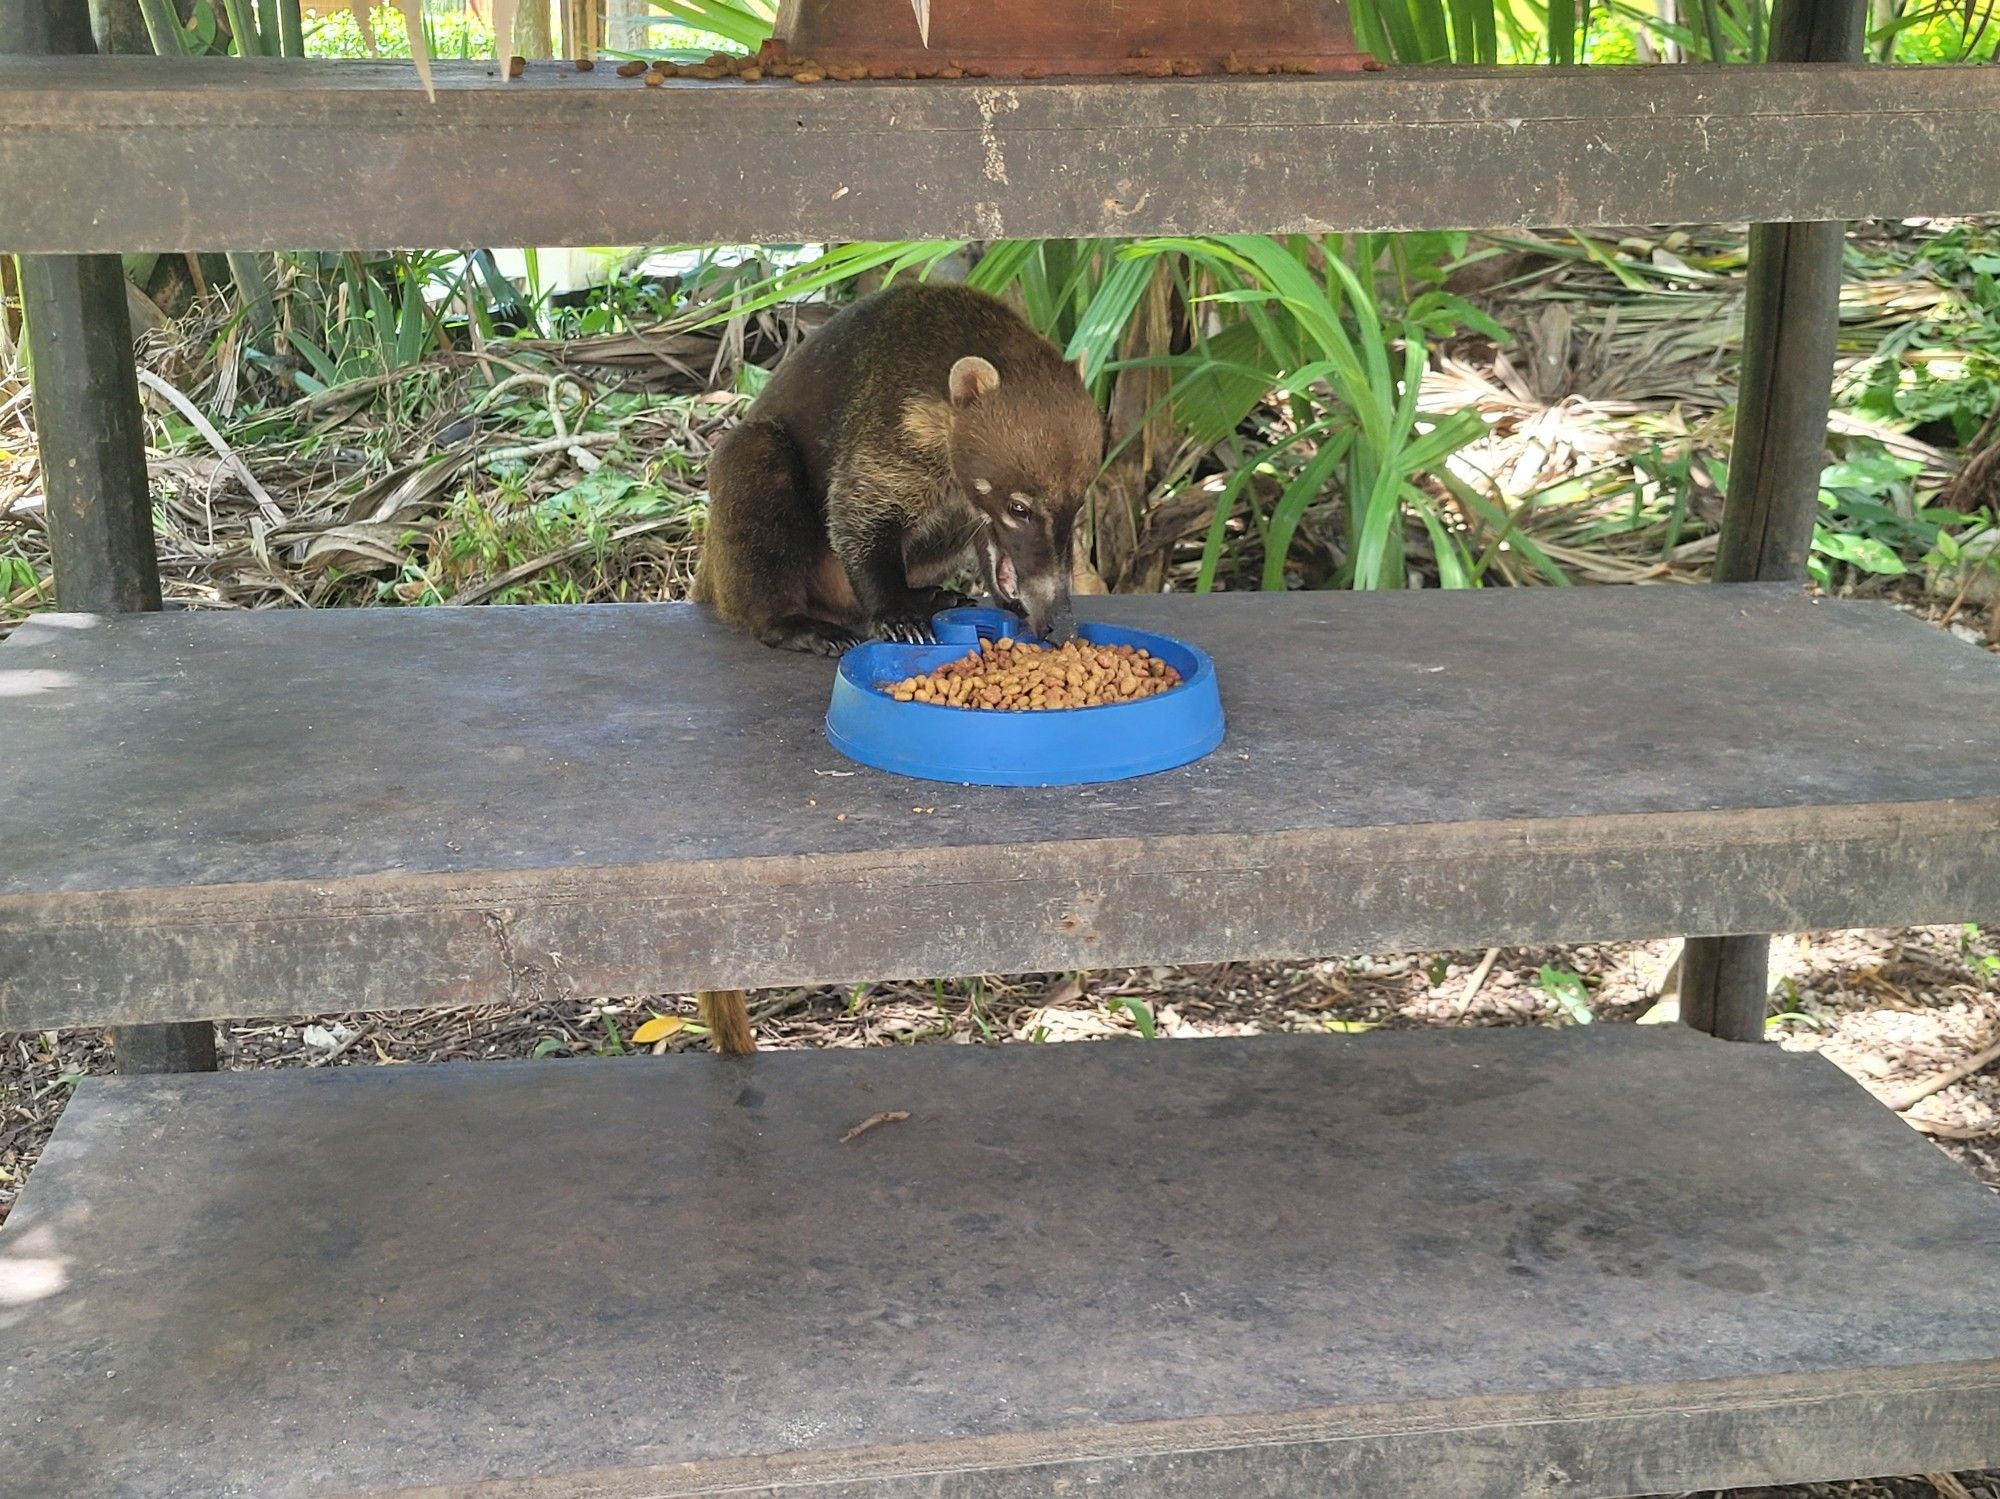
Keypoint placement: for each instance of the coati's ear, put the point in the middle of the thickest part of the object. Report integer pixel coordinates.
(972, 379)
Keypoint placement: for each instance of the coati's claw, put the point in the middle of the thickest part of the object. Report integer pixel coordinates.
(908, 631)
(814, 639)
(833, 645)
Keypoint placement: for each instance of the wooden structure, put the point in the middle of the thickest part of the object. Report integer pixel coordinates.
(562, 157)
(518, 799)
(1486, 1263)
(1598, 1263)
(1049, 38)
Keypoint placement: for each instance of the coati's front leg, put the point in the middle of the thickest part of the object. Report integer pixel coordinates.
(868, 529)
(765, 560)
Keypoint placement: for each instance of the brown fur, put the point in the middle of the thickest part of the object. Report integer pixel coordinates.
(851, 494)
(726, 1013)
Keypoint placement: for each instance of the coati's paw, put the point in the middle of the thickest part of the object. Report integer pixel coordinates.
(909, 620)
(814, 638)
(834, 643)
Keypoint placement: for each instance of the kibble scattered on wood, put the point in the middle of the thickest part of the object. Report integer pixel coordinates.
(516, 66)
(630, 69)
(584, 65)
(1020, 676)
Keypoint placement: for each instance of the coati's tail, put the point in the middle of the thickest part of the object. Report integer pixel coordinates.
(701, 588)
(726, 1013)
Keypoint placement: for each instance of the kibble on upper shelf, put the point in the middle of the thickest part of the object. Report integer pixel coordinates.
(1012, 675)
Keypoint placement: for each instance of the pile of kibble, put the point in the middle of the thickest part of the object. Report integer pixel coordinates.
(1016, 675)
(773, 62)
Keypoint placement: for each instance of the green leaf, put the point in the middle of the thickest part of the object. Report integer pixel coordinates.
(1104, 320)
(1568, 990)
(721, 18)
(1141, 1013)
(1864, 552)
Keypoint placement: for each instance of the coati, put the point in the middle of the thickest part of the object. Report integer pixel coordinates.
(920, 430)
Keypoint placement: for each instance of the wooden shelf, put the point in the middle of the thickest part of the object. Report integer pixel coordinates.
(236, 814)
(338, 155)
(1476, 1263)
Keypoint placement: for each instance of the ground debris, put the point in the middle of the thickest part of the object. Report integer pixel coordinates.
(875, 1121)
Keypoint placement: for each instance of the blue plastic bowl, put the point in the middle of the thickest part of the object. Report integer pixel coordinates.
(993, 747)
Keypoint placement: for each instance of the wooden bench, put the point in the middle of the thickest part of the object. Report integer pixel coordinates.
(263, 813)
(1610, 1261)
(1476, 1263)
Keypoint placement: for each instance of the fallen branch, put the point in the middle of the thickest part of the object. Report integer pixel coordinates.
(1937, 1082)
(213, 438)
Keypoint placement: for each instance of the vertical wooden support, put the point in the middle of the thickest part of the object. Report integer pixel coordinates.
(1791, 320)
(87, 419)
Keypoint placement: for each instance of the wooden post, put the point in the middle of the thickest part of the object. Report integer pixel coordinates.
(95, 494)
(1791, 320)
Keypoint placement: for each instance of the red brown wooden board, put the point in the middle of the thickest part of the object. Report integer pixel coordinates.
(1031, 38)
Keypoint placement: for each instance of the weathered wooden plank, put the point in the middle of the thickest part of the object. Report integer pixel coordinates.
(239, 814)
(228, 153)
(1445, 1263)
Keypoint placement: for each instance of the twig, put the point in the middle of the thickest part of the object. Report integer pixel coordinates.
(888, 1116)
(546, 446)
(1941, 1131)
(1477, 982)
(352, 1040)
(213, 438)
(1937, 1082)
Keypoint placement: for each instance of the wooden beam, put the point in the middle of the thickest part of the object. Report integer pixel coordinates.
(226, 153)
(1791, 323)
(98, 505)
(289, 811)
(96, 498)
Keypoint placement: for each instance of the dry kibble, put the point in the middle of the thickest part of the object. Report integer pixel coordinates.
(1014, 676)
(630, 69)
(516, 66)
(584, 65)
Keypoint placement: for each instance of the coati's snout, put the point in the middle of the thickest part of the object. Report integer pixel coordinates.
(1024, 452)
(1029, 573)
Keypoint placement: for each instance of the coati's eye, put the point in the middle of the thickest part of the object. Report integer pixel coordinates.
(1020, 509)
